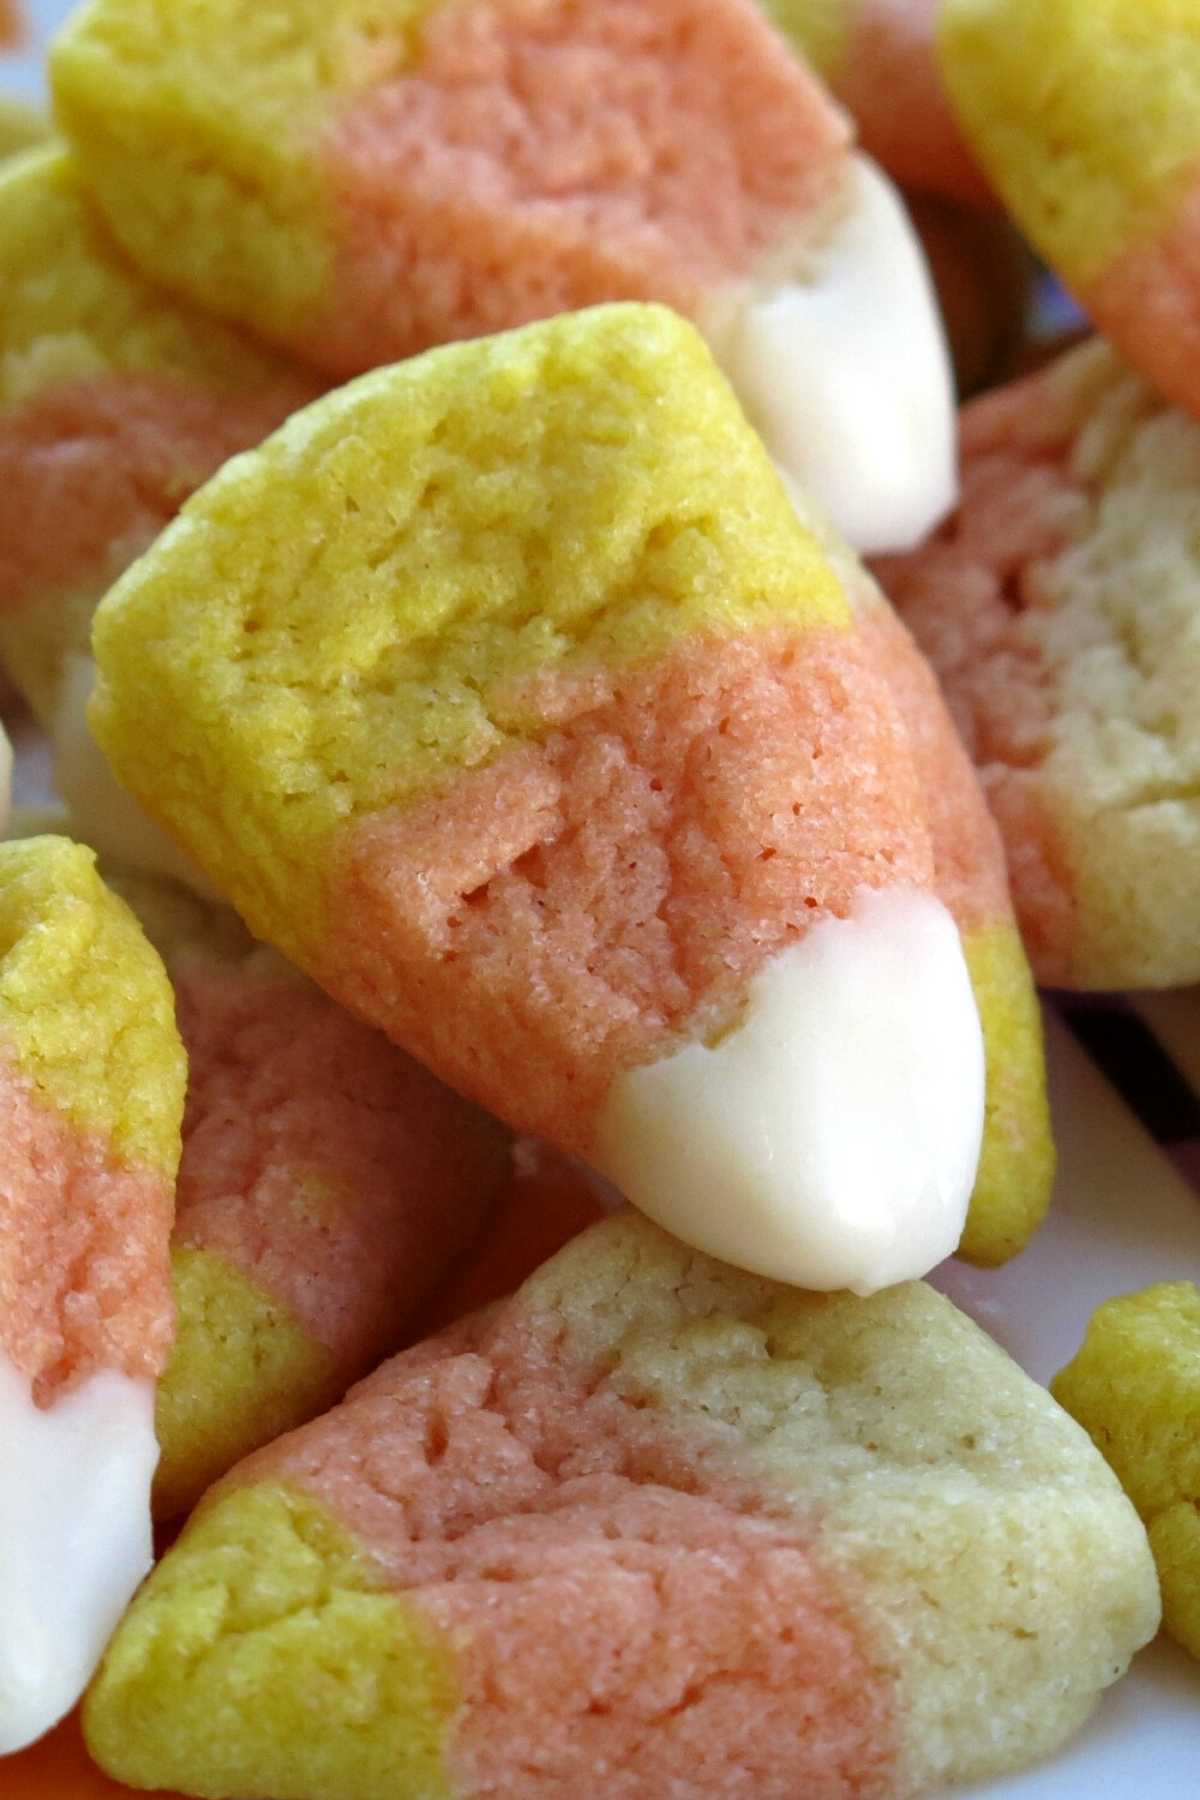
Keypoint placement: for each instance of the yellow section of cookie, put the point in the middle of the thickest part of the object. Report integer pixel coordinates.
(129, 398)
(198, 122)
(1016, 1163)
(85, 1003)
(1175, 1541)
(72, 308)
(1086, 114)
(372, 601)
(263, 1640)
(1135, 1386)
(242, 1372)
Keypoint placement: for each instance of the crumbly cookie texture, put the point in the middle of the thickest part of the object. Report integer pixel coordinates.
(1061, 609)
(93, 1074)
(527, 612)
(91, 1087)
(87, 1010)
(650, 1509)
(1135, 1386)
(327, 1184)
(364, 179)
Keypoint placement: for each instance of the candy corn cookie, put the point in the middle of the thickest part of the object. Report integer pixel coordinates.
(115, 403)
(1061, 609)
(652, 1515)
(1135, 1385)
(362, 181)
(326, 1185)
(506, 693)
(879, 58)
(1086, 115)
(93, 1078)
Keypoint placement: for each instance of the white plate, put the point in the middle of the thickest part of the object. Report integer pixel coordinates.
(1121, 1218)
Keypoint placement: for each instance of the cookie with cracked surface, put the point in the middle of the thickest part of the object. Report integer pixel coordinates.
(327, 1185)
(650, 1515)
(1135, 1386)
(505, 692)
(362, 180)
(1060, 607)
(93, 1073)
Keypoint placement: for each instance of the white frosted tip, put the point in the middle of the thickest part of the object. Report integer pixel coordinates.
(831, 1139)
(75, 1538)
(842, 367)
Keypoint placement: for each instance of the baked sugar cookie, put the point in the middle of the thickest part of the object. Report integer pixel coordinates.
(92, 1072)
(1061, 608)
(1135, 1386)
(1086, 115)
(505, 692)
(651, 1516)
(115, 404)
(360, 181)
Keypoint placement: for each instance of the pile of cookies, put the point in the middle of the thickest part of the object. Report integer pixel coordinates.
(535, 960)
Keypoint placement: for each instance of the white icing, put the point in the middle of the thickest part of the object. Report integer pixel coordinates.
(106, 814)
(75, 1537)
(841, 364)
(831, 1139)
